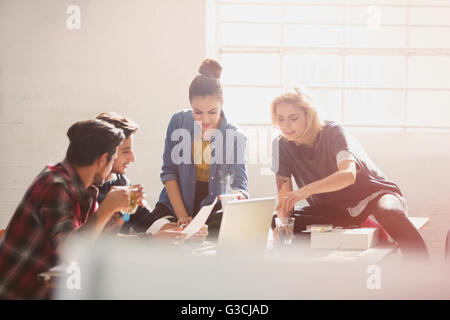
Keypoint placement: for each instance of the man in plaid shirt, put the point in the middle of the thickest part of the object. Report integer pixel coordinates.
(58, 207)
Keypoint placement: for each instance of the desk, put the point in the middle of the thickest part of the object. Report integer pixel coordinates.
(371, 256)
(300, 251)
(148, 267)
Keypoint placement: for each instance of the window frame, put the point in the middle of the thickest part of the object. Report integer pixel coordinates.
(343, 52)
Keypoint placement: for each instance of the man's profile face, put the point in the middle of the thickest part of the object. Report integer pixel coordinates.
(103, 173)
(125, 156)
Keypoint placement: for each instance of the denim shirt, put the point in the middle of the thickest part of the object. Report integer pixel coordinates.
(178, 162)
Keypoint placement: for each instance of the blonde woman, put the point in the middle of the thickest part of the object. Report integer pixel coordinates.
(334, 175)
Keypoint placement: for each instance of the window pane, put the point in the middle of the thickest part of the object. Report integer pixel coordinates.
(375, 71)
(313, 70)
(250, 13)
(249, 34)
(314, 14)
(385, 37)
(429, 108)
(253, 1)
(376, 2)
(429, 37)
(314, 1)
(430, 2)
(251, 68)
(370, 14)
(430, 16)
(429, 72)
(324, 25)
(313, 36)
(328, 103)
(374, 107)
(249, 105)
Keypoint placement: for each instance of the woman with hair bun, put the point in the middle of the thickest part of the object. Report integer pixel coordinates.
(212, 153)
(334, 175)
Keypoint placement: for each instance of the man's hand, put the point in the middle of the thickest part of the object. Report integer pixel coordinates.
(114, 224)
(169, 236)
(139, 189)
(201, 235)
(117, 199)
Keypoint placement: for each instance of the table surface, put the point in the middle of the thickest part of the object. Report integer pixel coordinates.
(299, 252)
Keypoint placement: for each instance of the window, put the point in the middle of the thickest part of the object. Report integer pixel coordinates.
(382, 63)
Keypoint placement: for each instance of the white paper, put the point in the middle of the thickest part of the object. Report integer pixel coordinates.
(199, 220)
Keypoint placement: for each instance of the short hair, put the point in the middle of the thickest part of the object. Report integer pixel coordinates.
(300, 98)
(127, 125)
(91, 139)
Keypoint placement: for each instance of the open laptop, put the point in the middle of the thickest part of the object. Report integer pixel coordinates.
(245, 225)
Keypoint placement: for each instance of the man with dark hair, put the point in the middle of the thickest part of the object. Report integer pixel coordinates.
(58, 207)
(143, 221)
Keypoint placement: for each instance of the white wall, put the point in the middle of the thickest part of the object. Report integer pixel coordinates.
(134, 57)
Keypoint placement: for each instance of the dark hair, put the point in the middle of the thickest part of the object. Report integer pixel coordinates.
(90, 139)
(207, 83)
(127, 125)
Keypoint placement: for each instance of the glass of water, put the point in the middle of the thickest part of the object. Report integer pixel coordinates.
(284, 227)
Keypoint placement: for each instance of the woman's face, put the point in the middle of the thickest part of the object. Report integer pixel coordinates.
(207, 111)
(291, 121)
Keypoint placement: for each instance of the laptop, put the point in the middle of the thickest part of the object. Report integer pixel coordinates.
(245, 225)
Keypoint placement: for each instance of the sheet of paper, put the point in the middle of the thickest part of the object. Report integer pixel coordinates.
(199, 221)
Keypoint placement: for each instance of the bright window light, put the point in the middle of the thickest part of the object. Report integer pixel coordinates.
(377, 63)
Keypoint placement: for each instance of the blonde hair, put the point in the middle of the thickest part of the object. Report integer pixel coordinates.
(300, 98)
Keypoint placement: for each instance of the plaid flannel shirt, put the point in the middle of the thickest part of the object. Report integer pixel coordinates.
(55, 204)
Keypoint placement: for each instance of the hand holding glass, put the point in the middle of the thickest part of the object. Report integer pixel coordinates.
(135, 197)
(284, 230)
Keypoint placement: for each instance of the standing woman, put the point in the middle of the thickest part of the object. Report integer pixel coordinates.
(334, 174)
(214, 150)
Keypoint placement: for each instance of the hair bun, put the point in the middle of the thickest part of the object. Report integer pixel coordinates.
(210, 67)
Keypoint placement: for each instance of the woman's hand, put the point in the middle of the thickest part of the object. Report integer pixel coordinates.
(201, 235)
(184, 220)
(241, 196)
(288, 201)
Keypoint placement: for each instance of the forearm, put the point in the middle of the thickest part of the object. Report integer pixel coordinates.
(176, 200)
(334, 182)
(240, 179)
(90, 231)
(284, 185)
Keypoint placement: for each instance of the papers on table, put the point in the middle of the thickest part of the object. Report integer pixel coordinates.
(199, 220)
